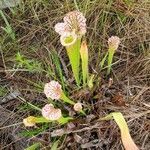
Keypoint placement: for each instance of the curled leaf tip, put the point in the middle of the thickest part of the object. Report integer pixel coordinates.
(77, 106)
(127, 141)
(68, 39)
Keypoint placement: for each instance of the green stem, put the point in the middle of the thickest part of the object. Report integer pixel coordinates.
(76, 5)
(73, 52)
(82, 112)
(110, 59)
(66, 99)
(64, 120)
(41, 120)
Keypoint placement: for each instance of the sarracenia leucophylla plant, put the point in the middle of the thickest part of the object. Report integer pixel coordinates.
(71, 32)
(54, 90)
(49, 114)
(113, 43)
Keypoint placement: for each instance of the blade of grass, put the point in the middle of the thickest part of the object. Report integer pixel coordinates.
(8, 28)
(76, 5)
(56, 61)
(34, 146)
(33, 106)
(55, 145)
(103, 60)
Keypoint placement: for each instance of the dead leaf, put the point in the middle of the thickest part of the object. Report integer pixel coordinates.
(118, 99)
(77, 138)
(58, 132)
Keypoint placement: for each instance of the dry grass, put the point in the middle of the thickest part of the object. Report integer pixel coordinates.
(36, 39)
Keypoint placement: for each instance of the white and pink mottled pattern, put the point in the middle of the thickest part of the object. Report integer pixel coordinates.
(113, 42)
(53, 90)
(76, 21)
(62, 28)
(50, 113)
(73, 21)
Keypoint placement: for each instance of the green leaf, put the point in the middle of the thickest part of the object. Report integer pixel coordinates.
(90, 82)
(57, 63)
(55, 145)
(30, 64)
(41, 120)
(84, 58)
(103, 60)
(34, 146)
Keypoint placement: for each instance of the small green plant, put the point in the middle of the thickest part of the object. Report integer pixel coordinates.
(113, 43)
(8, 29)
(29, 64)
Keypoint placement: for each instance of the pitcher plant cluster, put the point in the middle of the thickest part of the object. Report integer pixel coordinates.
(72, 36)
